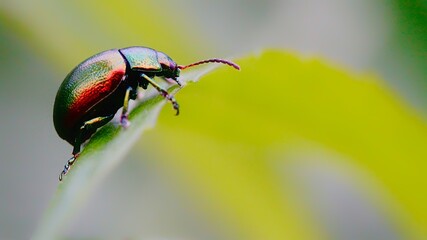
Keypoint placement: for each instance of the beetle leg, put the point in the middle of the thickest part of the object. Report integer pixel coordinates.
(90, 125)
(124, 117)
(163, 92)
(178, 82)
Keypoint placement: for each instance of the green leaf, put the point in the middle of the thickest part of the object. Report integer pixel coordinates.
(236, 147)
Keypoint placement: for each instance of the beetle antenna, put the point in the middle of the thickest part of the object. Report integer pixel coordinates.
(215, 60)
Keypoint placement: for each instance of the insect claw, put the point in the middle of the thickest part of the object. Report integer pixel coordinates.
(176, 107)
(67, 166)
(124, 122)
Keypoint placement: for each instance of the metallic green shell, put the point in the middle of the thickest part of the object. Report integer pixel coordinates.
(86, 85)
(142, 58)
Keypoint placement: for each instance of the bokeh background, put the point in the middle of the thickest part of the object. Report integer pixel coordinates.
(335, 193)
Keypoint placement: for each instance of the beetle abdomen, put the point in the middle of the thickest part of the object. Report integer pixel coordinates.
(85, 86)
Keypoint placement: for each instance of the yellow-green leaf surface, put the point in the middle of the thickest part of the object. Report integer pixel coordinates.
(233, 148)
(238, 128)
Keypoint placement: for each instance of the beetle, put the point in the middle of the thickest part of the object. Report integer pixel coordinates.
(97, 88)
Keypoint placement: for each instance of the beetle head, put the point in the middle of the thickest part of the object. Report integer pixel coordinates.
(171, 70)
(169, 67)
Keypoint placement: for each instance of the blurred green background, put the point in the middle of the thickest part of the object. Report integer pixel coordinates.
(349, 164)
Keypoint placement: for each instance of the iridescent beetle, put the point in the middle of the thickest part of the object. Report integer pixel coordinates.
(97, 88)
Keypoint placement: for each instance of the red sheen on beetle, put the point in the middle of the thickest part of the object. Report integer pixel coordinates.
(90, 96)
